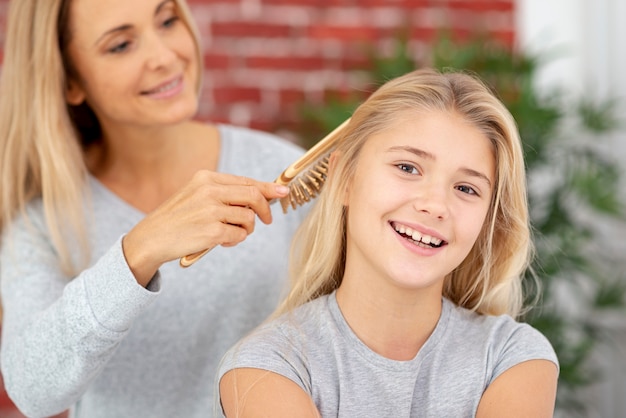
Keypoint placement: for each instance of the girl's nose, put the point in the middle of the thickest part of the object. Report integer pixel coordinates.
(433, 200)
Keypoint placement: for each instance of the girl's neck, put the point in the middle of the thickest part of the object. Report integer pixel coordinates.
(392, 322)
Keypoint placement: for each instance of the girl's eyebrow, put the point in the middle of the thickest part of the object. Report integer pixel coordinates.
(127, 26)
(430, 156)
(477, 174)
(413, 150)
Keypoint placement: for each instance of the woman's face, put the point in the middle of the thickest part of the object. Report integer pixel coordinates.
(135, 60)
(418, 201)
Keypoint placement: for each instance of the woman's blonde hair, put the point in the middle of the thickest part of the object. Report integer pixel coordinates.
(489, 279)
(41, 137)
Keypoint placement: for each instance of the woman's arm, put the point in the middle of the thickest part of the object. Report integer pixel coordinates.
(58, 334)
(525, 390)
(252, 393)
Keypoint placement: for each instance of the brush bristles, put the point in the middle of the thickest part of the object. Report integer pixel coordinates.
(306, 185)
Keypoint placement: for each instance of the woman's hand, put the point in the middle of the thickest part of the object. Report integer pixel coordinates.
(212, 209)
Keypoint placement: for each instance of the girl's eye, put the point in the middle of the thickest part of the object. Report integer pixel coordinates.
(407, 168)
(466, 189)
(120, 47)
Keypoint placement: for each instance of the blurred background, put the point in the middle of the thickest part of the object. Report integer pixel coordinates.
(299, 67)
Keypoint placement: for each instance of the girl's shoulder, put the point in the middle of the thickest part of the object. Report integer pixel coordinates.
(306, 322)
(468, 322)
(500, 336)
(281, 345)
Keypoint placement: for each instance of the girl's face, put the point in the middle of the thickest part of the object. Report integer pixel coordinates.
(418, 201)
(135, 60)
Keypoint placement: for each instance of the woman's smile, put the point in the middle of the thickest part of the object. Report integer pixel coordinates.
(166, 90)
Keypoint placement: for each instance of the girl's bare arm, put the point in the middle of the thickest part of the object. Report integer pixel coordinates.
(256, 393)
(525, 390)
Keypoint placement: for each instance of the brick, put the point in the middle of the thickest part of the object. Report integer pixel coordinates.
(286, 63)
(316, 3)
(217, 60)
(344, 33)
(246, 29)
(291, 96)
(482, 5)
(235, 94)
(424, 33)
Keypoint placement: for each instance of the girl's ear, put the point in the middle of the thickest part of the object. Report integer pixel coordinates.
(74, 93)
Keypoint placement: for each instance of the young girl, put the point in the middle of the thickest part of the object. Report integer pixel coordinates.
(106, 182)
(407, 273)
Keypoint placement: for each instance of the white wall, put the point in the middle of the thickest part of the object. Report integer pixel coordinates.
(584, 45)
(586, 40)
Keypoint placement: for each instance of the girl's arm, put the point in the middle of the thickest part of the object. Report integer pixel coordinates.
(527, 389)
(251, 393)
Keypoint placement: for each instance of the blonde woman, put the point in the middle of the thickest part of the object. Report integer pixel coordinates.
(407, 273)
(106, 182)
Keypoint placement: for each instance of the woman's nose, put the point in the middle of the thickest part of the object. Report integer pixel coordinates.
(159, 53)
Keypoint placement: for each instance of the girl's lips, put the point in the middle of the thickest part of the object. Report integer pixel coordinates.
(419, 235)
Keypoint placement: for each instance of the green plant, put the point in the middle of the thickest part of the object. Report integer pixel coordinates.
(568, 178)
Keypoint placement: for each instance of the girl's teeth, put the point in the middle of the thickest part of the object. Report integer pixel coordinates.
(416, 236)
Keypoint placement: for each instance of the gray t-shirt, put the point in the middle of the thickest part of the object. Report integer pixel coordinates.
(315, 347)
(117, 349)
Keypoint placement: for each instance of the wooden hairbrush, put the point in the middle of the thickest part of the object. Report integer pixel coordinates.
(305, 178)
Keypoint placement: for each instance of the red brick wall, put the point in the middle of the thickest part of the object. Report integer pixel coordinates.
(262, 56)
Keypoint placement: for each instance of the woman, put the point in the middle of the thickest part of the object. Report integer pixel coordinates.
(407, 273)
(106, 182)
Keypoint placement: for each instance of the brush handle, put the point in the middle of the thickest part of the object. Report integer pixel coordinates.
(312, 155)
(188, 260)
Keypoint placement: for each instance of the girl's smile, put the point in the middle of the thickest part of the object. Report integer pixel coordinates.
(426, 239)
(420, 196)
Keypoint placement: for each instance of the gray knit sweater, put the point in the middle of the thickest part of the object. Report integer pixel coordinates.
(107, 347)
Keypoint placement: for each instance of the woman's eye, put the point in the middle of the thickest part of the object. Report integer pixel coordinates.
(466, 189)
(407, 168)
(120, 47)
(168, 23)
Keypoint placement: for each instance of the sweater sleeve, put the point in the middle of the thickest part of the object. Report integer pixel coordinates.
(58, 334)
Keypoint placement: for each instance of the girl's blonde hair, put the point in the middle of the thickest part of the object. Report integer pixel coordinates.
(41, 137)
(489, 279)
